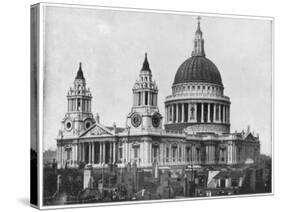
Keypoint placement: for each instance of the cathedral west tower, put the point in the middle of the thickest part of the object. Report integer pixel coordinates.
(79, 116)
(144, 115)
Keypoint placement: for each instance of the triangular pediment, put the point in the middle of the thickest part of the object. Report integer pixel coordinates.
(250, 137)
(96, 130)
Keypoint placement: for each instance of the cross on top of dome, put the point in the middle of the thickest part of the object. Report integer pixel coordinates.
(198, 25)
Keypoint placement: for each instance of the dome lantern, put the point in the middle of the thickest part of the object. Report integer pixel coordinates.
(198, 49)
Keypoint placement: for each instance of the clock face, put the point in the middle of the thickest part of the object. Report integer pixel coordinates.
(68, 125)
(156, 120)
(136, 119)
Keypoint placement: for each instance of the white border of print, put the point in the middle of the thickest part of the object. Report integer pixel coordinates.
(41, 77)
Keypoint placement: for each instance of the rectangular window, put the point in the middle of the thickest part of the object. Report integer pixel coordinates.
(180, 154)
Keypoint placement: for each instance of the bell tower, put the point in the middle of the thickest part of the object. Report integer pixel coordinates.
(79, 116)
(144, 113)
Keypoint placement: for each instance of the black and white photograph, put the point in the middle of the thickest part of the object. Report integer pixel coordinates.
(149, 106)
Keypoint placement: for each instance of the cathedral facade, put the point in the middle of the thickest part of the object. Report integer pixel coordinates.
(194, 131)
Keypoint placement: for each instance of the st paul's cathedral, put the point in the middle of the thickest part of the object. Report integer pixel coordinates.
(193, 131)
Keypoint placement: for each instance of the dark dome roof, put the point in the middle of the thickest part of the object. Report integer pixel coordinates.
(198, 69)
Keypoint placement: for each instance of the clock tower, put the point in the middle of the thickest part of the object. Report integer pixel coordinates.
(78, 117)
(144, 115)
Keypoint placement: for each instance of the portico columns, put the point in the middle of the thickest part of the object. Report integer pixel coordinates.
(110, 152)
(114, 152)
(90, 149)
(103, 153)
(93, 153)
(83, 149)
(100, 155)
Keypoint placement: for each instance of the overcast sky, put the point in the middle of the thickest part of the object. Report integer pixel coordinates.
(111, 46)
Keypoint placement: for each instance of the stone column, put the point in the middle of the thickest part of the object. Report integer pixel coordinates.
(103, 153)
(77, 152)
(148, 152)
(178, 153)
(167, 114)
(195, 112)
(93, 153)
(80, 152)
(209, 113)
(123, 152)
(177, 113)
(143, 98)
(100, 153)
(89, 156)
(187, 109)
(170, 154)
(114, 152)
(172, 106)
(219, 113)
(202, 112)
(182, 112)
(223, 114)
(58, 156)
(110, 152)
(214, 112)
(228, 112)
(160, 155)
(83, 152)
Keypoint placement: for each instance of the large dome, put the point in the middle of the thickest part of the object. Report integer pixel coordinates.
(198, 69)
